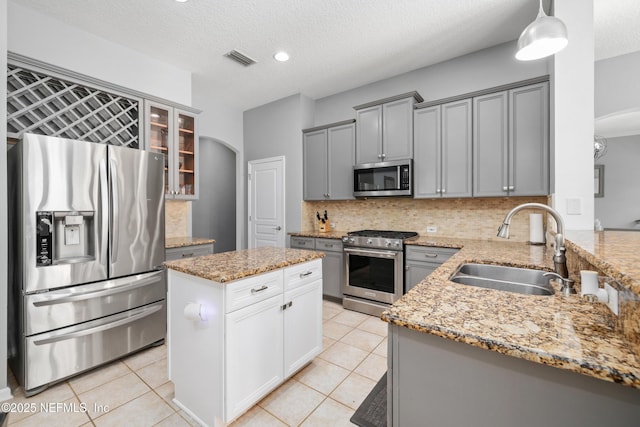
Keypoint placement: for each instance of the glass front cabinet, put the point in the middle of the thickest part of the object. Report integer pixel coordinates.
(174, 133)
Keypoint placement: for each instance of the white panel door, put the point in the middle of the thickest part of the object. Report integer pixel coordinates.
(266, 203)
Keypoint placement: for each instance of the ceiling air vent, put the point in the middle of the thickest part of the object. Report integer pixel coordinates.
(240, 58)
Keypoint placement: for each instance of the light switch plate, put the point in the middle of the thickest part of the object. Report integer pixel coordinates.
(574, 206)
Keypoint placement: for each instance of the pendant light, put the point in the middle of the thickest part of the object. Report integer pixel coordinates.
(545, 36)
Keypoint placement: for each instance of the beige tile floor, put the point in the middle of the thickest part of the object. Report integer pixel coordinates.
(137, 392)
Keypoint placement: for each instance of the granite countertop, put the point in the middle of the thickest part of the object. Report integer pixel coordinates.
(614, 253)
(180, 242)
(228, 266)
(333, 234)
(568, 333)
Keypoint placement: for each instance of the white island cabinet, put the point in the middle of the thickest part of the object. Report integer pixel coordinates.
(231, 343)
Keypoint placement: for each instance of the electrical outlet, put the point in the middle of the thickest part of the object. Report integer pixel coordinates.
(613, 298)
(432, 229)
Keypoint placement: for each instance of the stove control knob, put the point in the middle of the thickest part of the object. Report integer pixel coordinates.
(387, 243)
(369, 241)
(345, 239)
(397, 244)
(352, 240)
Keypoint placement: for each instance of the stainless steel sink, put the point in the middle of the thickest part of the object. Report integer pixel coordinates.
(511, 279)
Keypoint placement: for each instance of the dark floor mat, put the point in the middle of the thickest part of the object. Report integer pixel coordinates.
(373, 410)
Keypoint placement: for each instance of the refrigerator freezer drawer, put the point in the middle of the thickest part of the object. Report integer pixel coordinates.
(65, 307)
(56, 355)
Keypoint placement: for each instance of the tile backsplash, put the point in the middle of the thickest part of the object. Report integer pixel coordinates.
(177, 218)
(476, 218)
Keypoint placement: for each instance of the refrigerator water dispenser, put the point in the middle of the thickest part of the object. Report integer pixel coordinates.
(65, 237)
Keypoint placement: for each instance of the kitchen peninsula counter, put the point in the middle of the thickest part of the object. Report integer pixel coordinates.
(567, 333)
(228, 266)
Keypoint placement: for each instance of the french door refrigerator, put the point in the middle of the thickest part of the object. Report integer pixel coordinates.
(86, 252)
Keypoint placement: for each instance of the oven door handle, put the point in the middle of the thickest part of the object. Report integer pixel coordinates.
(377, 254)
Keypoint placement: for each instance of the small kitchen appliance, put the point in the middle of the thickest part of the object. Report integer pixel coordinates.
(374, 269)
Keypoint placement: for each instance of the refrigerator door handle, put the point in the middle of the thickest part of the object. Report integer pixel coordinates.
(139, 314)
(103, 213)
(115, 220)
(110, 288)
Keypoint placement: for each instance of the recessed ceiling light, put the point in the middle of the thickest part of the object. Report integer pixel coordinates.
(281, 56)
(182, 1)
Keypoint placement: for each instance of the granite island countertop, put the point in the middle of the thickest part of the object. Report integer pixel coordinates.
(567, 333)
(234, 265)
(181, 242)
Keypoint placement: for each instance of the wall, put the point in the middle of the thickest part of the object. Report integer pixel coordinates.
(616, 84)
(462, 218)
(5, 393)
(62, 45)
(486, 68)
(572, 116)
(214, 213)
(620, 206)
(274, 130)
(224, 124)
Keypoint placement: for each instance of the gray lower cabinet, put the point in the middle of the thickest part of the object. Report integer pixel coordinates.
(511, 142)
(422, 261)
(439, 382)
(332, 266)
(188, 251)
(328, 159)
(442, 150)
(332, 263)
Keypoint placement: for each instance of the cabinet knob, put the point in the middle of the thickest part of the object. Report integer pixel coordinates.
(438, 190)
(505, 188)
(443, 191)
(512, 187)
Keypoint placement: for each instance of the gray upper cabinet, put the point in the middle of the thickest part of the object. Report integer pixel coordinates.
(491, 145)
(328, 159)
(385, 131)
(369, 131)
(511, 137)
(341, 142)
(529, 140)
(443, 147)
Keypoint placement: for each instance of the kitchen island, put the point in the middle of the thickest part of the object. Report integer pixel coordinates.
(441, 373)
(239, 324)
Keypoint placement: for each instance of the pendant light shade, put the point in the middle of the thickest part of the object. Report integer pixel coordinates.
(545, 36)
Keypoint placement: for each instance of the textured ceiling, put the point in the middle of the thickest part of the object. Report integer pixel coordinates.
(334, 45)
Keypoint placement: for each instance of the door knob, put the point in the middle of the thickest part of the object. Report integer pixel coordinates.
(278, 228)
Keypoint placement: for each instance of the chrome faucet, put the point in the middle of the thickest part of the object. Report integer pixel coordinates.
(559, 257)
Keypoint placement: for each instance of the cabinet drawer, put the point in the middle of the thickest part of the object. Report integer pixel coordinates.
(302, 242)
(301, 274)
(254, 289)
(329, 245)
(188, 251)
(429, 254)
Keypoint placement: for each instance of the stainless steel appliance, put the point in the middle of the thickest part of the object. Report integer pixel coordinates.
(374, 269)
(86, 252)
(383, 179)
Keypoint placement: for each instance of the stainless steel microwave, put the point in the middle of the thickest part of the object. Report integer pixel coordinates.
(383, 179)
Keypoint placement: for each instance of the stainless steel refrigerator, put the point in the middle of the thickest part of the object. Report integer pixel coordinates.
(86, 251)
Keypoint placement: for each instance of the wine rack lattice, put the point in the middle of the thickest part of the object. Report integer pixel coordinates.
(47, 105)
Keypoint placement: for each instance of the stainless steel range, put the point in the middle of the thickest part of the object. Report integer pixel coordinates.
(374, 269)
